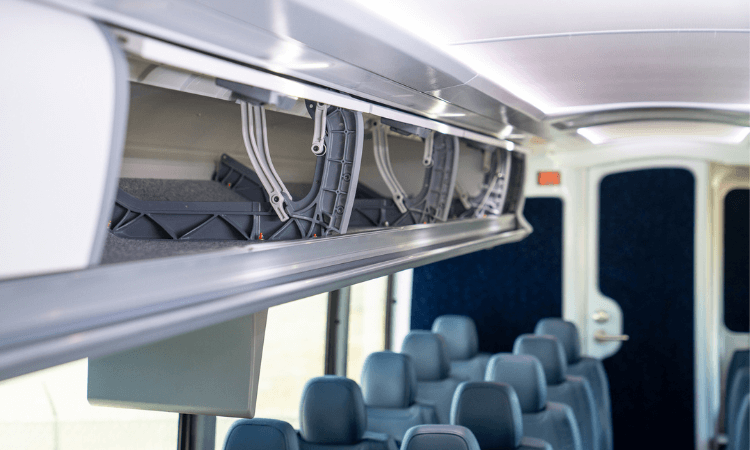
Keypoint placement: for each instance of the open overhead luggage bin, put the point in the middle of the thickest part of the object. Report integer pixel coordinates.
(179, 277)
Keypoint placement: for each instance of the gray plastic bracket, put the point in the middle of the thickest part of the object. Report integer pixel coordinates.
(433, 202)
(318, 144)
(255, 135)
(494, 189)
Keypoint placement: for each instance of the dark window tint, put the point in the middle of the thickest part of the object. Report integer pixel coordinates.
(736, 255)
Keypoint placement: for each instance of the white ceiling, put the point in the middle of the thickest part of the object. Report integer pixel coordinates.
(574, 57)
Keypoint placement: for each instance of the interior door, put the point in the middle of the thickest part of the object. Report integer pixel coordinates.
(643, 249)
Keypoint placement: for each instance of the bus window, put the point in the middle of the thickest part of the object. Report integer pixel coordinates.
(736, 269)
(48, 410)
(366, 323)
(293, 352)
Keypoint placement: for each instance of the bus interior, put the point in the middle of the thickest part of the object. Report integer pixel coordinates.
(289, 224)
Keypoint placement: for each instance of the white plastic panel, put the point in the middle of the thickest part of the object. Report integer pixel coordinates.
(213, 371)
(57, 121)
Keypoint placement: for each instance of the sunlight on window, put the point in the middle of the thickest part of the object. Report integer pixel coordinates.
(293, 352)
(49, 410)
(366, 323)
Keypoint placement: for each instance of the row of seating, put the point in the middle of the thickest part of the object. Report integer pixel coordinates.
(483, 415)
(571, 398)
(434, 380)
(737, 401)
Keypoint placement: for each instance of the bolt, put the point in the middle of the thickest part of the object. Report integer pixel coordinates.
(315, 148)
(347, 177)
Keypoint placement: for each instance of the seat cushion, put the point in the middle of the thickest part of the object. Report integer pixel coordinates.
(593, 371)
(395, 422)
(739, 440)
(389, 380)
(576, 393)
(332, 411)
(439, 437)
(471, 369)
(429, 355)
(369, 441)
(549, 351)
(556, 424)
(438, 395)
(525, 374)
(260, 434)
(491, 411)
(460, 335)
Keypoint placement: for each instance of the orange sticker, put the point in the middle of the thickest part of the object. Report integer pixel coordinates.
(548, 178)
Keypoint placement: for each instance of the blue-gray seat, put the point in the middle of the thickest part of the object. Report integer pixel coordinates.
(462, 341)
(735, 395)
(549, 421)
(492, 412)
(735, 390)
(332, 416)
(435, 386)
(572, 391)
(261, 434)
(739, 440)
(591, 369)
(389, 386)
(439, 437)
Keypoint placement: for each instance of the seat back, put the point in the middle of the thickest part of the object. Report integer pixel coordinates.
(493, 413)
(735, 395)
(572, 391)
(333, 416)
(739, 440)
(589, 368)
(439, 437)
(462, 341)
(551, 422)
(260, 434)
(389, 386)
(435, 386)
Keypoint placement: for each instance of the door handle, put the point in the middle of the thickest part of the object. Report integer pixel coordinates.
(602, 336)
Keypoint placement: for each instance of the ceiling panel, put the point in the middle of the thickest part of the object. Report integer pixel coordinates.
(566, 75)
(450, 21)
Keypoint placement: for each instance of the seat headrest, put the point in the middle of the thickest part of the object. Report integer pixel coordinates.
(332, 411)
(491, 411)
(565, 332)
(524, 374)
(389, 380)
(460, 334)
(261, 434)
(439, 437)
(548, 350)
(428, 354)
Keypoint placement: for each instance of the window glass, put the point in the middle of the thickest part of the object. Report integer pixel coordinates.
(366, 323)
(49, 410)
(293, 352)
(736, 256)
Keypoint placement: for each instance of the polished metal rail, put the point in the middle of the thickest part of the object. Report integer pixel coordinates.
(52, 319)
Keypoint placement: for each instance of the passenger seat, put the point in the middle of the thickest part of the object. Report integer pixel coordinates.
(439, 437)
(333, 416)
(740, 440)
(261, 434)
(591, 369)
(736, 387)
(435, 386)
(551, 422)
(389, 385)
(572, 391)
(462, 341)
(492, 412)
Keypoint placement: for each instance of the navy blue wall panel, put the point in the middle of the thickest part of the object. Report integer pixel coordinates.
(505, 289)
(736, 256)
(646, 265)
